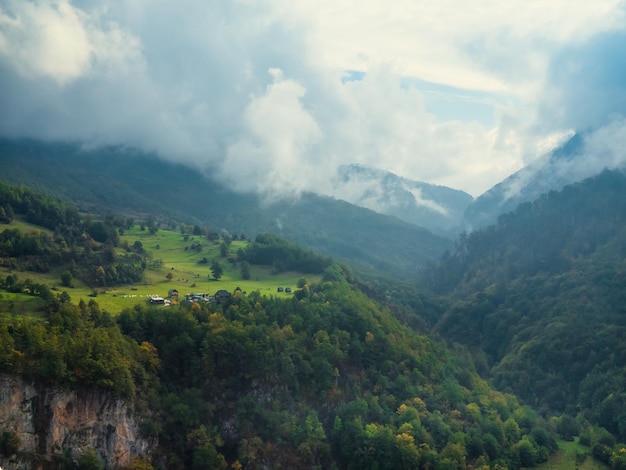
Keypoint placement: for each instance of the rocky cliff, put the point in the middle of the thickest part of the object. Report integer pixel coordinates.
(52, 422)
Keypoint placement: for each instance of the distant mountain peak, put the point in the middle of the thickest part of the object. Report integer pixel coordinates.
(583, 155)
(437, 208)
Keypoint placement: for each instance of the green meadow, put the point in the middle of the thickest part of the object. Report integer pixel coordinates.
(27, 227)
(172, 264)
(572, 456)
(19, 304)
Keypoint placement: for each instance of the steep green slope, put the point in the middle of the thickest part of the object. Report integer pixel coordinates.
(542, 294)
(116, 179)
(323, 377)
(368, 240)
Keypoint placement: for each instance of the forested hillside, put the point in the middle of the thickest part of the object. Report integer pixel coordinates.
(123, 180)
(326, 377)
(541, 298)
(329, 377)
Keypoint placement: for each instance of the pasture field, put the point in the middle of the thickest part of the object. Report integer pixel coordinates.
(19, 304)
(566, 458)
(168, 253)
(24, 226)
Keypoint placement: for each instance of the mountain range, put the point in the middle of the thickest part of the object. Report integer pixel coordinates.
(448, 212)
(573, 161)
(376, 220)
(438, 208)
(110, 179)
(536, 301)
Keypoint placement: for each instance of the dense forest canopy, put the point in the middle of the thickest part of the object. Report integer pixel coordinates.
(327, 377)
(336, 375)
(540, 298)
(276, 251)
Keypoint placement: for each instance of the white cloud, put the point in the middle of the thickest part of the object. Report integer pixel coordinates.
(430, 39)
(421, 201)
(191, 82)
(387, 126)
(292, 143)
(604, 148)
(275, 154)
(56, 40)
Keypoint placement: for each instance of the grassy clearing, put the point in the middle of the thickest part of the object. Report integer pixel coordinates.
(26, 227)
(19, 304)
(565, 458)
(169, 252)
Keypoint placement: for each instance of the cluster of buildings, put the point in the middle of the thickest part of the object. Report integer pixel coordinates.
(221, 296)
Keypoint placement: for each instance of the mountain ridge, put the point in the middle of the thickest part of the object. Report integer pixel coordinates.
(539, 298)
(438, 208)
(564, 165)
(117, 178)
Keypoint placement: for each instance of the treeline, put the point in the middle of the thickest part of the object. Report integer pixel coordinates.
(271, 250)
(544, 236)
(33, 252)
(82, 244)
(539, 299)
(326, 379)
(37, 208)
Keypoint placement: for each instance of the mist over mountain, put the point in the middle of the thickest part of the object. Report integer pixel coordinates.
(114, 178)
(437, 208)
(244, 118)
(583, 155)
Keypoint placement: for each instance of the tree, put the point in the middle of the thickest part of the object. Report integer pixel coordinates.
(526, 451)
(8, 210)
(66, 279)
(89, 461)
(153, 227)
(453, 456)
(568, 427)
(5, 218)
(100, 272)
(217, 270)
(224, 249)
(245, 270)
(169, 275)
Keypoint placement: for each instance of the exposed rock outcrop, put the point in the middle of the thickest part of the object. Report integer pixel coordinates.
(51, 421)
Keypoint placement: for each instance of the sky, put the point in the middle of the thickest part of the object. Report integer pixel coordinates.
(272, 96)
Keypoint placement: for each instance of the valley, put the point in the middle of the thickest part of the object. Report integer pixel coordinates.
(424, 371)
(270, 235)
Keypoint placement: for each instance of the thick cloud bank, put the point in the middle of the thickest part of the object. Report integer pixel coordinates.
(258, 93)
